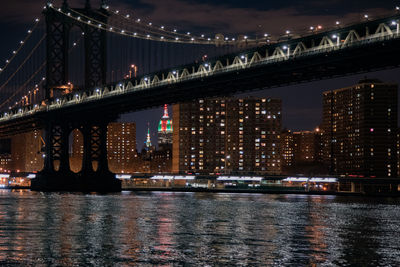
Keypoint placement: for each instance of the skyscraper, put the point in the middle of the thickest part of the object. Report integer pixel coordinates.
(147, 144)
(287, 150)
(26, 151)
(121, 147)
(360, 126)
(302, 152)
(165, 131)
(227, 135)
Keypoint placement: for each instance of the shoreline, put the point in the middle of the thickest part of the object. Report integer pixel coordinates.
(242, 191)
(260, 191)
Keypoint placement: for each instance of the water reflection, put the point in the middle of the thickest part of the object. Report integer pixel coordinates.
(167, 229)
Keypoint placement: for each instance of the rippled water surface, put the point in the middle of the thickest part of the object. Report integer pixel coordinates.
(197, 229)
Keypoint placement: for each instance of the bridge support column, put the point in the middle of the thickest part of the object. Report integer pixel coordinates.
(103, 159)
(87, 166)
(63, 179)
(48, 160)
(64, 150)
(95, 149)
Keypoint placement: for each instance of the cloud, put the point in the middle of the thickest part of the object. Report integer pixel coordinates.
(228, 19)
(200, 16)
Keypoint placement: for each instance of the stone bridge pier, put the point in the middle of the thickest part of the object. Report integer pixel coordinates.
(57, 175)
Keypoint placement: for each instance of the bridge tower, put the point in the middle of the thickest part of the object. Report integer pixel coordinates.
(59, 126)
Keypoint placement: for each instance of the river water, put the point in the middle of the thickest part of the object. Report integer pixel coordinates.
(197, 229)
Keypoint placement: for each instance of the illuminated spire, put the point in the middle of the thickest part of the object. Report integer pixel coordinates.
(165, 125)
(148, 138)
(165, 112)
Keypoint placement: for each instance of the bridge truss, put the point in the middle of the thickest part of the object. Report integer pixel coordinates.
(370, 45)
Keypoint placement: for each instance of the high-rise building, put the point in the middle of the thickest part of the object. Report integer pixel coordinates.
(26, 151)
(5, 155)
(302, 152)
(398, 152)
(5, 162)
(76, 152)
(227, 135)
(306, 146)
(165, 131)
(147, 144)
(287, 149)
(121, 148)
(360, 126)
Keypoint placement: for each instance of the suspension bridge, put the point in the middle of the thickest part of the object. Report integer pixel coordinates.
(84, 67)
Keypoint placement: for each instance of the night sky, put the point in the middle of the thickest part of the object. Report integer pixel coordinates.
(301, 103)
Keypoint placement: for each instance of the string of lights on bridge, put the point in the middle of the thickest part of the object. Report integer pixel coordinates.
(31, 93)
(162, 34)
(166, 37)
(241, 61)
(23, 62)
(20, 45)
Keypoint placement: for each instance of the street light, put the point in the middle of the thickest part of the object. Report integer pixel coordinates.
(337, 37)
(397, 26)
(133, 68)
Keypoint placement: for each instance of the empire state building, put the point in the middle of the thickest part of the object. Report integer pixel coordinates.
(165, 131)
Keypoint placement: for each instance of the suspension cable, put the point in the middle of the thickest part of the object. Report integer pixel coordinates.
(82, 18)
(23, 63)
(34, 75)
(23, 86)
(21, 45)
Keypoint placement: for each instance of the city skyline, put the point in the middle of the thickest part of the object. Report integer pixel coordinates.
(199, 133)
(287, 15)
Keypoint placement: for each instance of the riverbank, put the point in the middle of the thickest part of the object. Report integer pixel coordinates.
(241, 191)
(258, 191)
